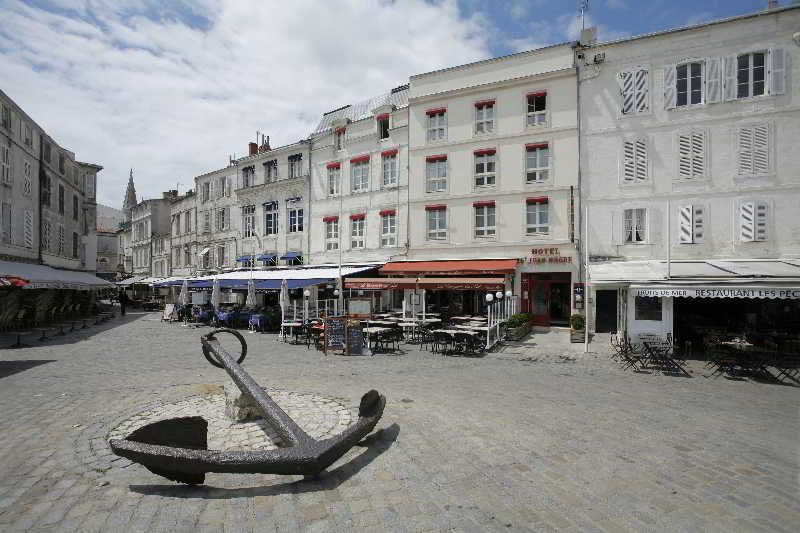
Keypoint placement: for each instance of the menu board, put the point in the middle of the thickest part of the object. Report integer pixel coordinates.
(355, 340)
(335, 333)
(359, 306)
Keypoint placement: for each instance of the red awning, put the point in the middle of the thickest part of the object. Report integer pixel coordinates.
(334, 165)
(383, 116)
(453, 268)
(453, 283)
(330, 219)
(389, 152)
(360, 159)
(388, 212)
(358, 216)
(480, 103)
(485, 151)
(436, 111)
(12, 281)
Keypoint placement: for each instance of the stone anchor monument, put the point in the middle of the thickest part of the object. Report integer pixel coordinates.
(177, 449)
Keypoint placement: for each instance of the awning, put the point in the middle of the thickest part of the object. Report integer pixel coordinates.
(12, 281)
(244, 258)
(453, 283)
(45, 277)
(261, 285)
(204, 251)
(700, 271)
(267, 257)
(131, 281)
(149, 281)
(719, 291)
(455, 268)
(291, 255)
(170, 282)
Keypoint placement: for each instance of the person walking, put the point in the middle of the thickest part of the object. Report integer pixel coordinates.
(123, 302)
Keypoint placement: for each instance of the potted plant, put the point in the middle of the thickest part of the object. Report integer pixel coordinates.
(577, 323)
(518, 326)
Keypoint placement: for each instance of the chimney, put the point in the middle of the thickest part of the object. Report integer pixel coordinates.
(588, 36)
(253, 148)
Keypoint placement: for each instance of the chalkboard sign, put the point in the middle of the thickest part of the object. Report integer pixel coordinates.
(335, 333)
(355, 340)
(359, 307)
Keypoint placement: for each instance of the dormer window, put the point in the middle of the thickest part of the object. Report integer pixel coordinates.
(271, 170)
(248, 176)
(338, 138)
(383, 126)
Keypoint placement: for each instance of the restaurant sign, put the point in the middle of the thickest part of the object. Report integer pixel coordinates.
(791, 293)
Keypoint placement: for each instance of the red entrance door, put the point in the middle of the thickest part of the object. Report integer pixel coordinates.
(547, 298)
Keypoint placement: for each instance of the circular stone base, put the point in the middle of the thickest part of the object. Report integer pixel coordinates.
(318, 416)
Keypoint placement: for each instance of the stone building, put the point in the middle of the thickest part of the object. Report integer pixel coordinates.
(183, 235)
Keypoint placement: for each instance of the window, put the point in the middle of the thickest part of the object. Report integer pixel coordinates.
(334, 175)
(537, 109)
(206, 191)
(28, 229)
(220, 255)
(206, 221)
(222, 187)
(5, 163)
(249, 220)
(692, 155)
(634, 161)
(271, 171)
(271, 218)
(437, 124)
(187, 257)
(436, 222)
(338, 139)
(485, 168)
(537, 216)
(295, 219)
(690, 224)
(635, 226)
(47, 150)
(388, 228)
(176, 252)
(357, 231)
(206, 260)
(27, 182)
(689, 84)
(61, 161)
(359, 174)
(5, 222)
(74, 207)
(634, 88)
(484, 219)
(331, 233)
(296, 166)
(28, 139)
(60, 239)
(750, 75)
(753, 219)
(537, 163)
(484, 117)
(6, 117)
(60, 199)
(383, 126)
(647, 308)
(187, 221)
(389, 159)
(436, 173)
(223, 219)
(74, 245)
(248, 176)
(46, 235)
(753, 145)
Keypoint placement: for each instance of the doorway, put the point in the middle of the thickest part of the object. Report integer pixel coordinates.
(606, 320)
(548, 298)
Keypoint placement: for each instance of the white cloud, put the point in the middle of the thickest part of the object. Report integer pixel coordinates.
(172, 92)
(616, 4)
(699, 18)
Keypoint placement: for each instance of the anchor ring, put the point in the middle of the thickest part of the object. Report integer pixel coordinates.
(233, 332)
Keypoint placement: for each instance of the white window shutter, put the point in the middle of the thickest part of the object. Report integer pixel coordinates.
(698, 154)
(698, 219)
(729, 78)
(744, 141)
(28, 231)
(777, 71)
(747, 221)
(641, 160)
(617, 235)
(761, 221)
(625, 82)
(670, 92)
(642, 84)
(628, 162)
(685, 224)
(685, 156)
(713, 80)
(761, 149)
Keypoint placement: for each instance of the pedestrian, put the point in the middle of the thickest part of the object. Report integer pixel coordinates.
(123, 302)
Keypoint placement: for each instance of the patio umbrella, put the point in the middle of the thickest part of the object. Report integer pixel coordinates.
(216, 294)
(183, 298)
(251, 293)
(284, 299)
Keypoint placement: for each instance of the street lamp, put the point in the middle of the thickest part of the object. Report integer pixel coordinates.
(499, 295)
(508, 294)
(489, 297)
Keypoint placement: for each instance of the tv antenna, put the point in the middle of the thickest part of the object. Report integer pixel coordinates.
(583, 7)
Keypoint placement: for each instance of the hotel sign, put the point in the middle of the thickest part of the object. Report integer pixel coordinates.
(548, 255)
(788, 293)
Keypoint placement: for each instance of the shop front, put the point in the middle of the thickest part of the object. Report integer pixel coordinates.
(548, 279)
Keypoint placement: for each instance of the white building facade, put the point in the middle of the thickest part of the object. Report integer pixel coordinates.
(217, 219)
(689, 172)
(183, 257)
(150, 236)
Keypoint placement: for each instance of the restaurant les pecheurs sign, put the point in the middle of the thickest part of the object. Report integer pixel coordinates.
(787, 293)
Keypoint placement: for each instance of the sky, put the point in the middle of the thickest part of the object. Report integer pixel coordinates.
(172, 88)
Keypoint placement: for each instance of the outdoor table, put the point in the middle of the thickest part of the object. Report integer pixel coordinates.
(291, 326)
(429, 320)
(369, 331)
(384, 322)
(454, 331)
(257, 322)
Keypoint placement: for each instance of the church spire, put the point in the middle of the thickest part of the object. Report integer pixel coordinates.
(130, 197)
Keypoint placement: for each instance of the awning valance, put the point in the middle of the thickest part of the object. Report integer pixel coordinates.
(453, 283)
(719, 291)
(291, 255)
(244, 258)
(455, 267)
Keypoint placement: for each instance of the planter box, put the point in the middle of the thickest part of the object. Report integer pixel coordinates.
(519, 333)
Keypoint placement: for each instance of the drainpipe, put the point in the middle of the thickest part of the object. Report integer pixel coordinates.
(39, 197)
(307, 221)
(583, 224)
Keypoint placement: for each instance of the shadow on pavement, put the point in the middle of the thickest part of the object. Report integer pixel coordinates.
(9, 368)
(375, 445)
(78, 334)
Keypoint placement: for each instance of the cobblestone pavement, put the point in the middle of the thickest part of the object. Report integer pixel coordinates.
(529, 438)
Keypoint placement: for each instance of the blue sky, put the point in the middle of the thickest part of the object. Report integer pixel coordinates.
(171, 88)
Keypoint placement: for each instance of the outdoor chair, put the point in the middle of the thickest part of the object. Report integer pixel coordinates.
(442, 342)
(460, 342)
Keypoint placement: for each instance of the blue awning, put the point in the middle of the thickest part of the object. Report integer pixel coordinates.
(267, 257)
(244, 258)
(261, 284)
(291, 255)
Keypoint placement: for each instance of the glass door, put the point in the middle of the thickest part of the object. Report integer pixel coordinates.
(541, 303)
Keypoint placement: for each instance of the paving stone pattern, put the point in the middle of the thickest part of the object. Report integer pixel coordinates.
(536, 437)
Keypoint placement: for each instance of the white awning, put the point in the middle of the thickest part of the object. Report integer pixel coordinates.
(204, 251)
(45, 277)
(738, 270)
(149, 281)
(131, 281)
(291, 273)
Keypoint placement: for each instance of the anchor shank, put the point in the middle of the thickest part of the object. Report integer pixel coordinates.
(290, 433)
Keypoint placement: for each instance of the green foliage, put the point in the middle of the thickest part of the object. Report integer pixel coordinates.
(518, 320)
(577, 321)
